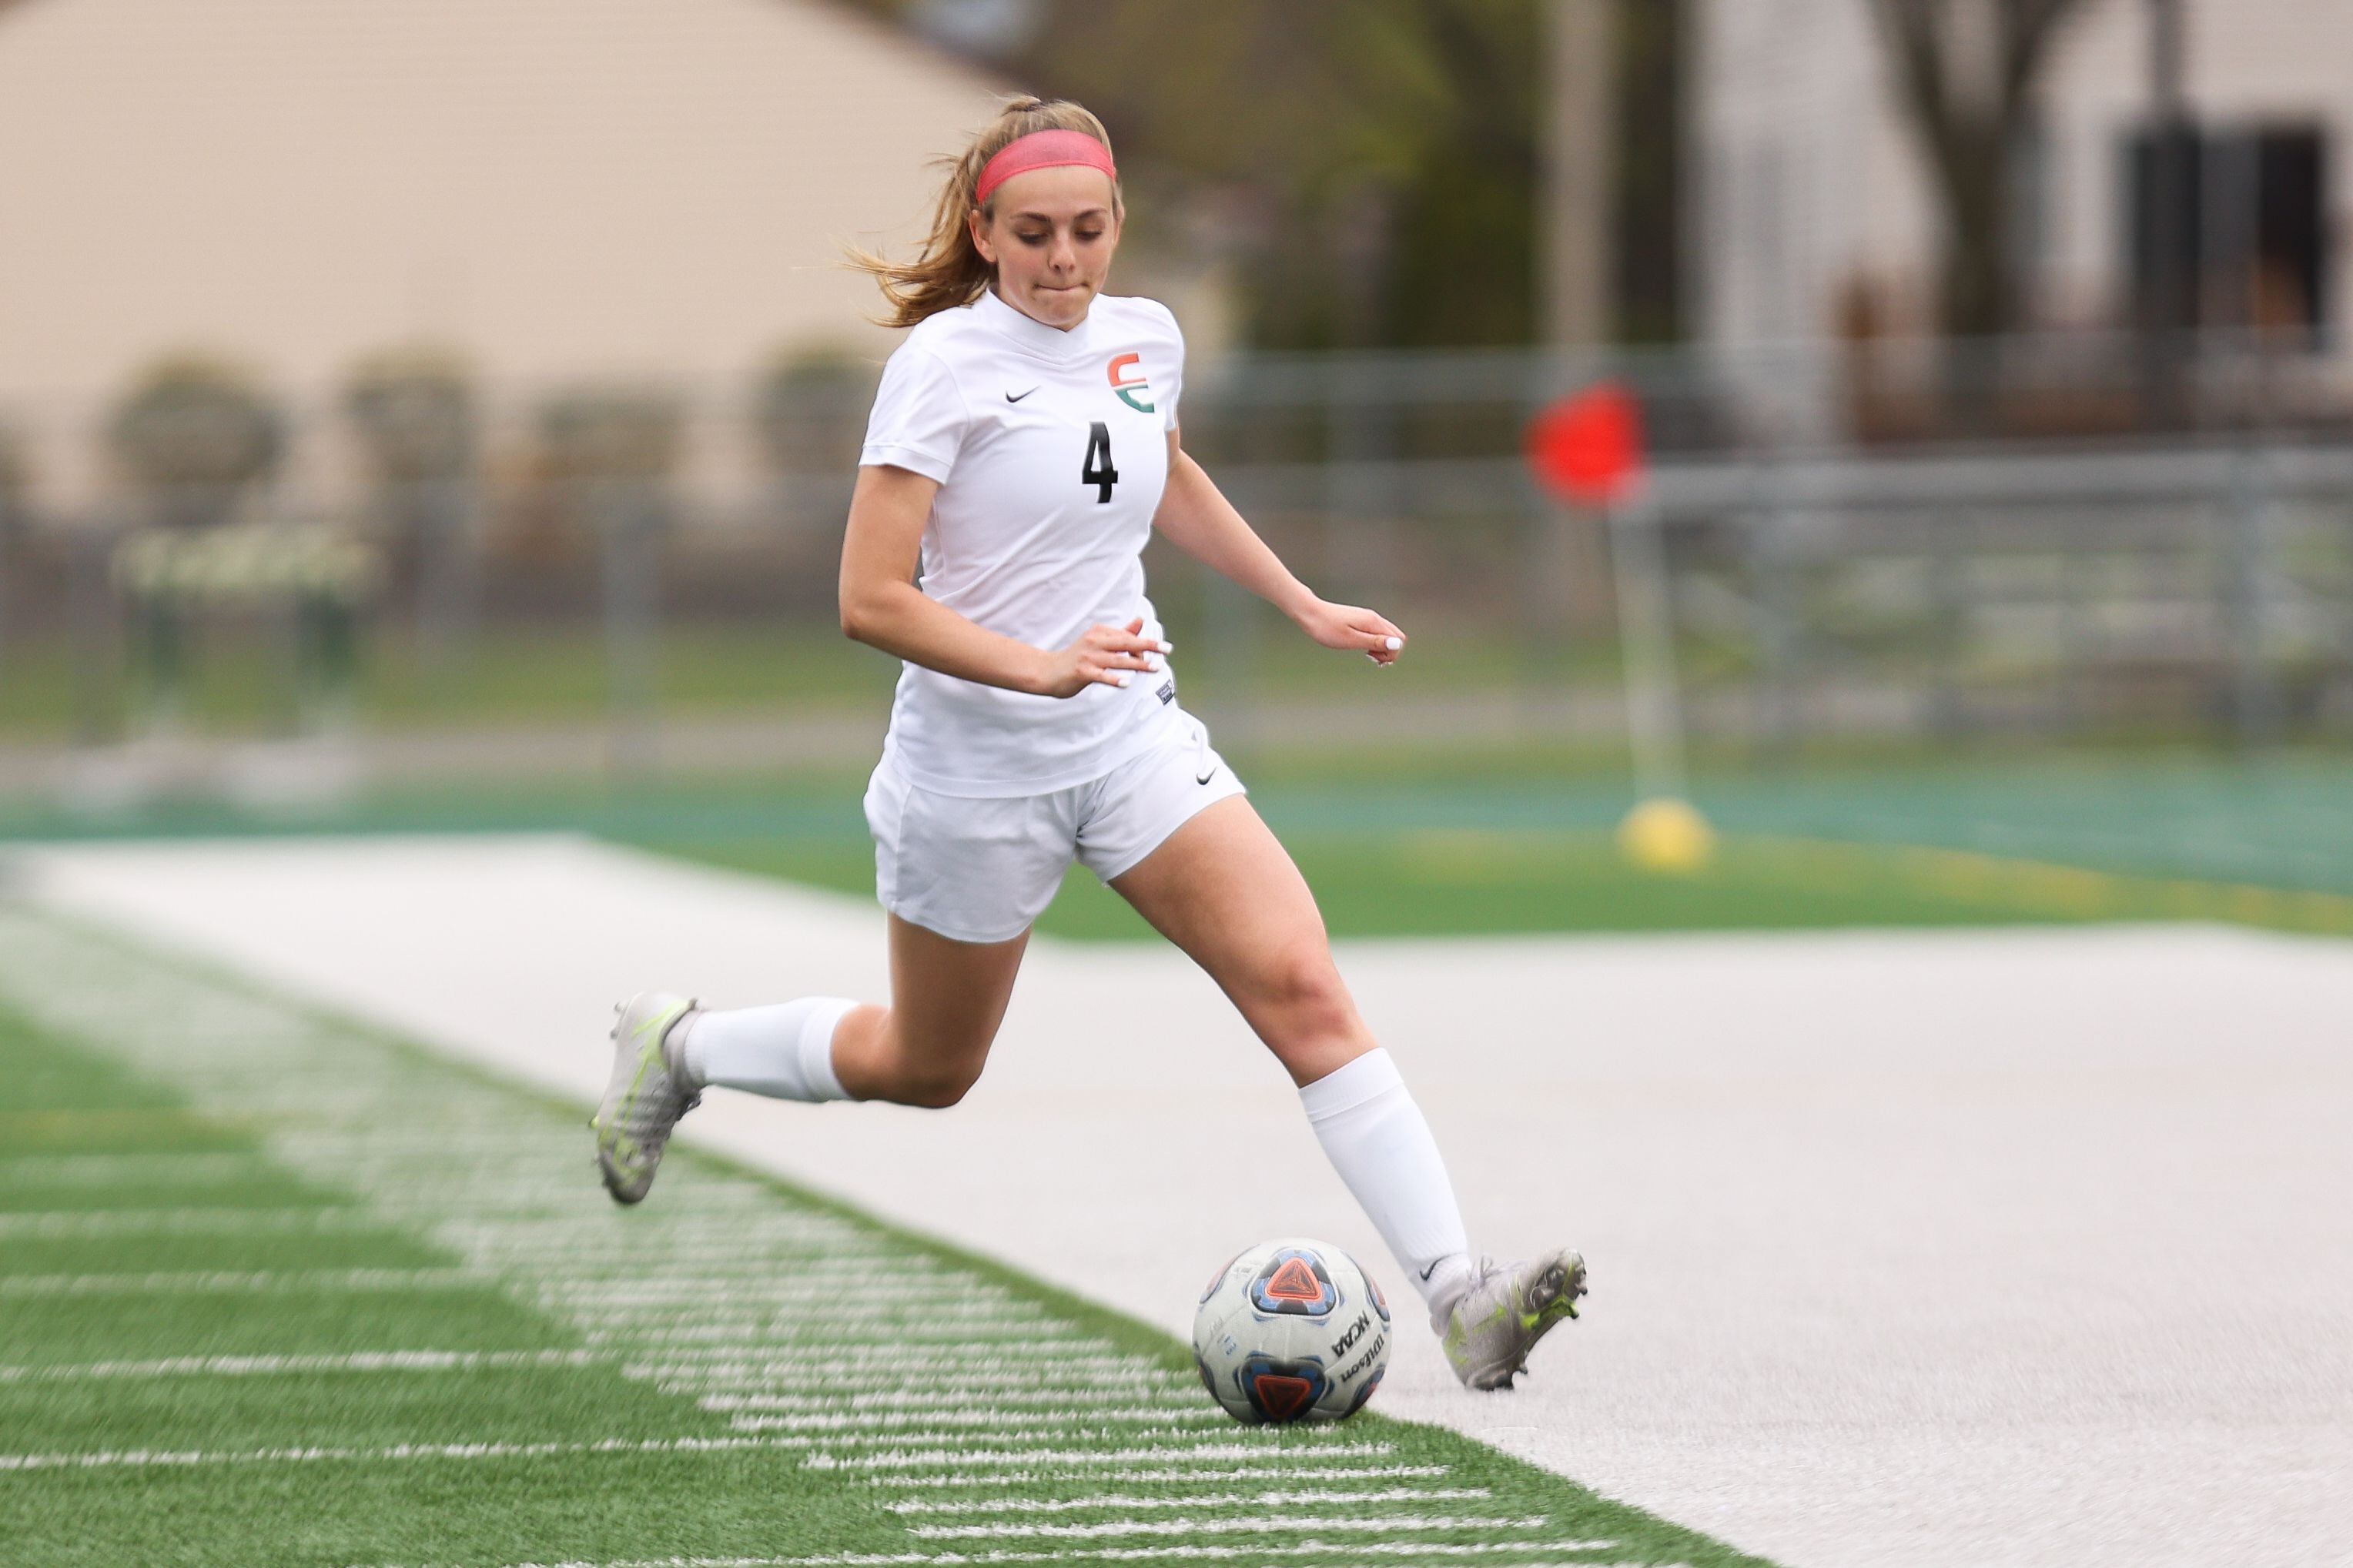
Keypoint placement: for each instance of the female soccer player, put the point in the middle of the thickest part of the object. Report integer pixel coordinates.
(1023, 447)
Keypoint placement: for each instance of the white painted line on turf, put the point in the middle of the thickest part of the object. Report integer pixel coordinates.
(1264, 1525)
(55, 1224)
(1205, 1500)
(260, 1281)
(814, 1385)
(983, 1459)
(1130, 1554)
(1128, 1477)
(826, 1442)
(907, 1393)
(789, 1328)
(983, 1415)
(162, 1458)
(768, 1360)
(301, 1366)
(813, 1391)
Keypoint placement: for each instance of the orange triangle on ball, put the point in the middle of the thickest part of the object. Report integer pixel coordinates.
(1294, 1281)
(1281, 1397)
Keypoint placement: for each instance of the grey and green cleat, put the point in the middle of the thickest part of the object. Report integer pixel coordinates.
(645, 1098)
(1500, 1319)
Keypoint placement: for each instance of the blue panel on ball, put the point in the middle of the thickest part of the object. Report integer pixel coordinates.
(1282, 1391)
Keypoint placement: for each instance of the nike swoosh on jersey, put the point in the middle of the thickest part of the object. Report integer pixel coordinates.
(1010, 398)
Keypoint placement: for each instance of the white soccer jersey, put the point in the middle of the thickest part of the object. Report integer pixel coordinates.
(1051, 447)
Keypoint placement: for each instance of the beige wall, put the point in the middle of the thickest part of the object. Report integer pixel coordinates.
(1808, 178)
(567, 188)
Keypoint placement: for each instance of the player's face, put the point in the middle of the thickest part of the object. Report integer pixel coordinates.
(1051, 238)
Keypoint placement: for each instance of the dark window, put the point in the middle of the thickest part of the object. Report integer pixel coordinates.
(2290, 286)
(2228, 228)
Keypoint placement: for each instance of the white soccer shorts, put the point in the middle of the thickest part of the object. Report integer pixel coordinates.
(982, 870)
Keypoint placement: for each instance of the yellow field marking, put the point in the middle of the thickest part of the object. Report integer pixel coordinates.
(2083, 891)
(1492, 857)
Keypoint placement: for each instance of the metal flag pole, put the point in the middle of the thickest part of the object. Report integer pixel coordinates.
(1663, 832)
(1587, 450)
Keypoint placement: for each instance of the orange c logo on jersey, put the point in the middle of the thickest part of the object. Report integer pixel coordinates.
(1128, 390)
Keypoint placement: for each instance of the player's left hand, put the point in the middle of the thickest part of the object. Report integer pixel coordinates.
(1346, 627)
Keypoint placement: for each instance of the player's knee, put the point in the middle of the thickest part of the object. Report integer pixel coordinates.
(1306, 995)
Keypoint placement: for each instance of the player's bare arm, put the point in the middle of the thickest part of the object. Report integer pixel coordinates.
(1195, 517)
(881, 606)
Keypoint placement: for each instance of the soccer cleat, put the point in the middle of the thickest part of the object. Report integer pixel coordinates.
(1500, 1319)
(645, 1098)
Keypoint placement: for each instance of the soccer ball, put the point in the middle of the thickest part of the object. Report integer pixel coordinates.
(1291, 1330)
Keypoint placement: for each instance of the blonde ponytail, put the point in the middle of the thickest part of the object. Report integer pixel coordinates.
(950, 271)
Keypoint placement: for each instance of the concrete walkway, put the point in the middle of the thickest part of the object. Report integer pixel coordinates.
(1964, 1247)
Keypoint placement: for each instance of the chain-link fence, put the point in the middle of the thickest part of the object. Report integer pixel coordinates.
(1906, 544)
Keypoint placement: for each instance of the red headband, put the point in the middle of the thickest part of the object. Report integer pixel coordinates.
(1042, 150)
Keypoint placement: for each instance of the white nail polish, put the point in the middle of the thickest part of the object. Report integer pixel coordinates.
(1123, 680)
(1169, 648)
(1396, 642)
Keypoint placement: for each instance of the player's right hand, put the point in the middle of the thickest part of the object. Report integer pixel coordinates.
(1103, 656)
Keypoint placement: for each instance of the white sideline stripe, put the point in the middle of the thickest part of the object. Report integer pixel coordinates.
(815, 1383)
(198, 1283)
(787, 1330)
(710, 1305)
(1030, 1477)
(715, 1218)
(1206, 1499)
(693, 1300)
(815, 1265)
(50, 1225)
(977, 1458)
(942, 1422)
(143, 1459)
(620, 1282)
(753, 1359)
(826, 1442)
(1131, 1554)
(274, 1365)
(949, 1379)
(904, 1394)
(622, 1252)
(1267, 1525)
(952, 1426)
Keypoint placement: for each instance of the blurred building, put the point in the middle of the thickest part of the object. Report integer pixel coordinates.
(1815, 216)
(559, 190)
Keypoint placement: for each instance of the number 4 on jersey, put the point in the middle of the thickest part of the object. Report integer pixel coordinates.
(1098, 470)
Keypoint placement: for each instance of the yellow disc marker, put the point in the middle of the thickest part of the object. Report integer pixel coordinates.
(1666, 835)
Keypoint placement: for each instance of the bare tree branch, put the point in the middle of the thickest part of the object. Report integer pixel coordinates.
(1969, 145)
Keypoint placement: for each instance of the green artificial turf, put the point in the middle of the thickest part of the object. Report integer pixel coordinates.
(278, 1289)
(240, 683)
(1520, 840)
(1443, 883)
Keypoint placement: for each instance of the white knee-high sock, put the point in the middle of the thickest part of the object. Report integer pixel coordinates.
(1377, 1139)
(784, 1051)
